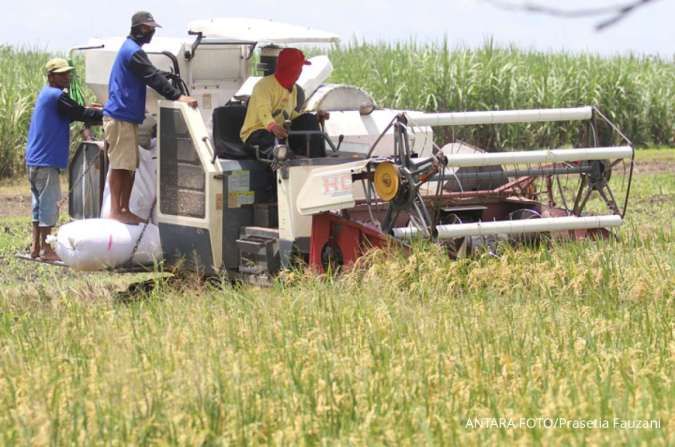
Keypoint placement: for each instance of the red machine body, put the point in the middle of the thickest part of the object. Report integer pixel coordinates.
(338, 242)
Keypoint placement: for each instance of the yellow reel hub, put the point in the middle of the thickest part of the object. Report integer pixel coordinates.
(386, 181)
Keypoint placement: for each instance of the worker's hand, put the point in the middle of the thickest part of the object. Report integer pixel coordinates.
(278, 131)
(85, 133)
(322, 115)
(189, 100)
(95, 105)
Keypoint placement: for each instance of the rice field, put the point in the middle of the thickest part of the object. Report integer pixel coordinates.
(561, 344)
(636, 92)
(571, 343)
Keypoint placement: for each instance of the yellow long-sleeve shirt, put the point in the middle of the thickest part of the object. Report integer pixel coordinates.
(266, 106)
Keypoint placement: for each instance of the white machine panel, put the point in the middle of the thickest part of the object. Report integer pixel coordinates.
(99, 62)
(292, 225)
(361, 131)
(314, 75)
(312, 189)
(260, 30)
(338, 97)
(329, 187)
(216, 63)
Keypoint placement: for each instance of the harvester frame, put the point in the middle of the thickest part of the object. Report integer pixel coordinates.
(384, 181)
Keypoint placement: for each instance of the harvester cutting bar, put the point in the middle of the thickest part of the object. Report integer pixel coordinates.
(539, 156)
(519, 226)
(501, 117)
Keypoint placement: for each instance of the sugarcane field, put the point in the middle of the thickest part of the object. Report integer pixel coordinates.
(372, 223)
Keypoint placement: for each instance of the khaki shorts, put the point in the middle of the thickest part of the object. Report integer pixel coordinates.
(121, 142)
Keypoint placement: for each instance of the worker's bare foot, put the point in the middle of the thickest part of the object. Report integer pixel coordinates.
(134, 219)
(49, 255)
(127, 217)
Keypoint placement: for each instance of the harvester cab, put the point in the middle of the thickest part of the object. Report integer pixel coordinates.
(221, 209)
(217, 207)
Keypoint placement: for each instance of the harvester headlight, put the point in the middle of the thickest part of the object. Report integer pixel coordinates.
(386, 181)
(280, 152)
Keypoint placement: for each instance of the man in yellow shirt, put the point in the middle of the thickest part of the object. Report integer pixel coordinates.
(274, 100)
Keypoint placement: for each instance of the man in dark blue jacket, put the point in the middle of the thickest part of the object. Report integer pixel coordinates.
(47, 150)
(125, 110)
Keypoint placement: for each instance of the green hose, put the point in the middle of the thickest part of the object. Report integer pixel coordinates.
(75, 91)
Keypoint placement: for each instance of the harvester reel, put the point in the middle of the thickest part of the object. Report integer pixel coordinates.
(597, 179)
(397, 186)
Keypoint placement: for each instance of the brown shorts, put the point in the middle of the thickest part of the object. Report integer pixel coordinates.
(121, 142)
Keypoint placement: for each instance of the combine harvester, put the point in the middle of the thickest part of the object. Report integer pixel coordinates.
(221, 211)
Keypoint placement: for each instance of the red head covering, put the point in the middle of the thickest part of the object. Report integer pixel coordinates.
(289, 66)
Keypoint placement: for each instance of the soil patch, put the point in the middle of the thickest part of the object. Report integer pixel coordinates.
(17, 205)
(654, 167)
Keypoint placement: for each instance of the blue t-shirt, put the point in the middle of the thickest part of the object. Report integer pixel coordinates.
(126, 90)
(49, 132)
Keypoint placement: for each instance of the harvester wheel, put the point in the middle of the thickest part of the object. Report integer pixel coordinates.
(457, 247)
(525, 238)
(331, 257)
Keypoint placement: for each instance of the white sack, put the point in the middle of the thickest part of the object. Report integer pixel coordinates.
(144, 192)
(97, 244)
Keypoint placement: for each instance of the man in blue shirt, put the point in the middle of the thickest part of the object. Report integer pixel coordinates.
(125, 110)
(47, 150)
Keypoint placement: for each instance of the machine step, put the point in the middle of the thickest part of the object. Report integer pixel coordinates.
(259, 250)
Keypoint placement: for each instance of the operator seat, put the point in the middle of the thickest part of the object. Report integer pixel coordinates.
(227, 123)
(229, 119)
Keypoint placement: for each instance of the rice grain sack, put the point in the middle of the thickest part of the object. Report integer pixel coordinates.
(144, 191)
(99, 244)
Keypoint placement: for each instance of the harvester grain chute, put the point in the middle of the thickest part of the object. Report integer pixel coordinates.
(382, 181)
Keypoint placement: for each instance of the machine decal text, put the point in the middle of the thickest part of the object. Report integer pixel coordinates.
(337, 185)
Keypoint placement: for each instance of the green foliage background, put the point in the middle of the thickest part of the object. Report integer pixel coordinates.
(21, 78)
(636, 92)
